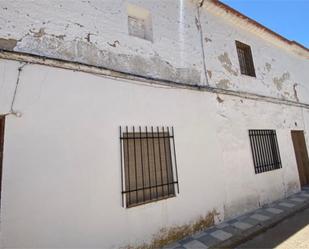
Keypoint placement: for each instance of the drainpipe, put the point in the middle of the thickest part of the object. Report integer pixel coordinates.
(200, 29)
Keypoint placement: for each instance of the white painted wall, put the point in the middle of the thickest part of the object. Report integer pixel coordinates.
(62, 184)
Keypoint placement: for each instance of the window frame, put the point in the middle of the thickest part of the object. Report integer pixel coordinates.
(265, 150)
(245, 59)
(153, 156)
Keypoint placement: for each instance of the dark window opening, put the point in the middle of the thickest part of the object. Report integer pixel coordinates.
(245, 59)
(265, 150)
(149, 169)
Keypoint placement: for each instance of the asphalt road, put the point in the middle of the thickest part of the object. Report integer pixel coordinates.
(292, 233)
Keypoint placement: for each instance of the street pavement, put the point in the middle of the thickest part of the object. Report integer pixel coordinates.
(282, 224)
(292, 233)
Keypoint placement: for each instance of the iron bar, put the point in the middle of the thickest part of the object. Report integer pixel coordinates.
(136, 194)
(150, 190)
(160, 158)
(166, 163)
(139, 189)
(154, 160)
(142, 163)
(175, 158)
(172, 170)
(121, 168)
(128, 152)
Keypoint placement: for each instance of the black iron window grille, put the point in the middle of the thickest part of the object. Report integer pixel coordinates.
(265, 150)
(245, 59)
(148, 164)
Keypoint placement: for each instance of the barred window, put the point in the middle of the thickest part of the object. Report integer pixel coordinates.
(245, 59)
(149, 169)
(265, 150)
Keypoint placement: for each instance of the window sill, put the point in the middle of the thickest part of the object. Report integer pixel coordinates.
(247, 75)
(151, 201)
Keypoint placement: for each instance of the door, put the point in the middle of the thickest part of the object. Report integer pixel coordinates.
(2, 121)
(301, 156)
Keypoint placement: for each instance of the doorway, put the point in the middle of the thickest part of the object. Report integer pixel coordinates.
(2, 122)
(301, 155)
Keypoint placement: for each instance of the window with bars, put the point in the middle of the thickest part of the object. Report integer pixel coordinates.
(245, 59)
(148, 165)
(265, 150)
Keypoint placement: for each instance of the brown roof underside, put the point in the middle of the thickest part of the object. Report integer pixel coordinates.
(229, 9)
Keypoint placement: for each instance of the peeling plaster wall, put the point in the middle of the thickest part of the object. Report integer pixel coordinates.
(64, 156)
(279, 73)
(96, 33)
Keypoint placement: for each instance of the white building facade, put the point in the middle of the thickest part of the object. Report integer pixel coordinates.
(72, 74)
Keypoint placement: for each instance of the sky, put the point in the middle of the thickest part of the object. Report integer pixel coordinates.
(289, 18)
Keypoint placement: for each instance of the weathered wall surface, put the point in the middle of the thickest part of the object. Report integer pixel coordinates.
(280, 72)
(96, 33)
(62, 182)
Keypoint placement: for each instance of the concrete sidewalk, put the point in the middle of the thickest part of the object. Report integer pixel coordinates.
(238, 230)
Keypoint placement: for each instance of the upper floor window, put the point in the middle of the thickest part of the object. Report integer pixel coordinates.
(245, 59)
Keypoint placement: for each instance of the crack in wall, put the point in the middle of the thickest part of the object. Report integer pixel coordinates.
(295, 92)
